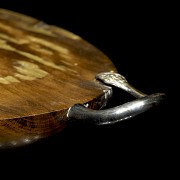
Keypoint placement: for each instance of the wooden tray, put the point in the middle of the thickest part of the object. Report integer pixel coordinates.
(44, 71)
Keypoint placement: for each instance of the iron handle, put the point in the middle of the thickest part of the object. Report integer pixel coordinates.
(123, 112)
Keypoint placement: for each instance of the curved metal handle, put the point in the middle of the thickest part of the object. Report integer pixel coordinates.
(119, 113)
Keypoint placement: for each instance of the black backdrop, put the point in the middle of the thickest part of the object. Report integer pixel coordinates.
(140, 40)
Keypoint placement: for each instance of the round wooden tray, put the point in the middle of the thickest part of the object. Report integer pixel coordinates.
(49, 76)
(44, 70)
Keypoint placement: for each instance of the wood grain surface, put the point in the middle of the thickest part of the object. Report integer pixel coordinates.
(44, 70)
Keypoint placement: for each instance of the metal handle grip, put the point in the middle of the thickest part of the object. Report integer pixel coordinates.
(119, 113)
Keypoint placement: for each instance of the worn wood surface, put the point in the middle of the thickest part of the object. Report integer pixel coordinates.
(44, 70)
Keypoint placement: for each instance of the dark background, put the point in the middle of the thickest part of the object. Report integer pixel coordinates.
(141, 41)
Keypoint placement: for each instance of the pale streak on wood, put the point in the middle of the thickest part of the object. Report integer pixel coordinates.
(24, 77)
(40, 49)
(42, 61)
(19, 41)
(4, 45)
(8, 80)
(45, 43)
(11, 39)
(34, 39)
(29, 70)
(48, 44)
(11, 30)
